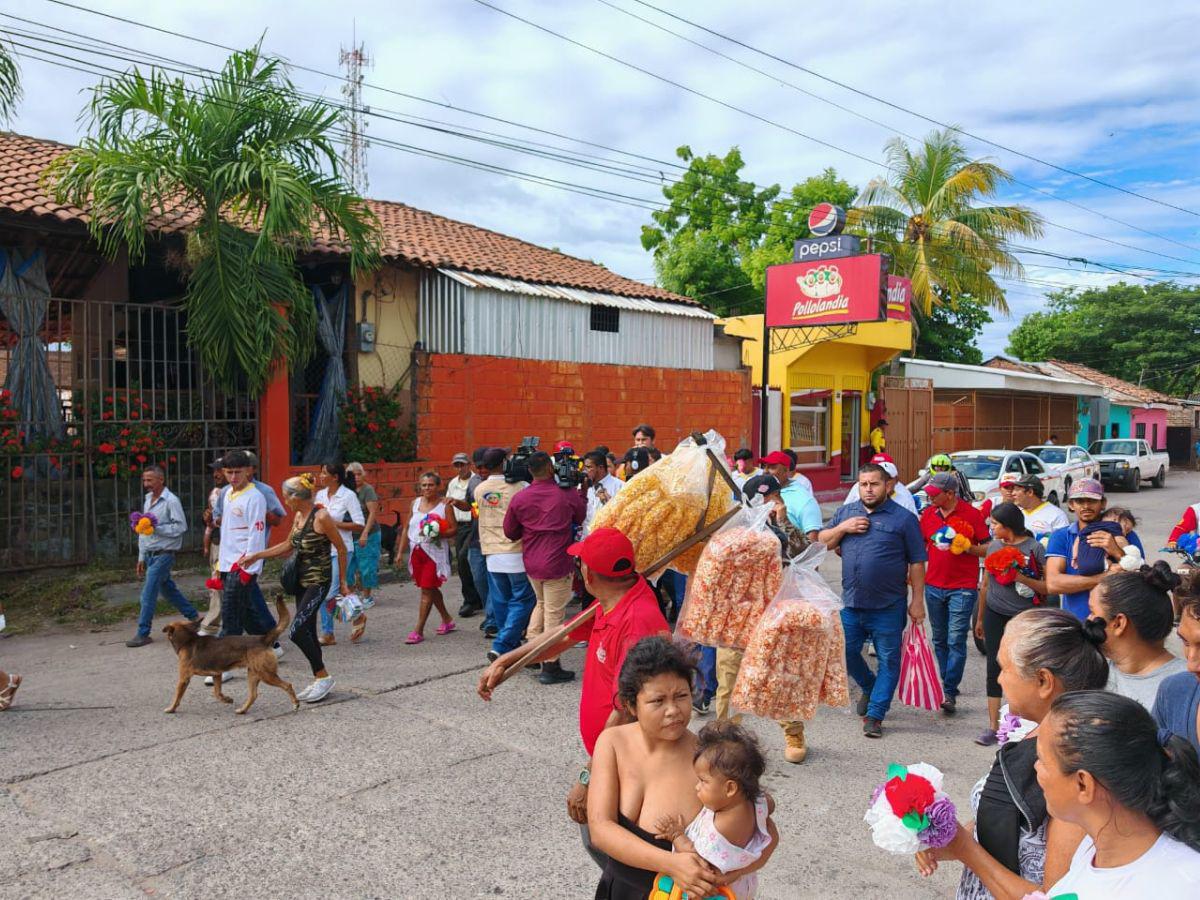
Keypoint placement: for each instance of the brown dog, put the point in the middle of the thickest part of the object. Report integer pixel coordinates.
(205, 655)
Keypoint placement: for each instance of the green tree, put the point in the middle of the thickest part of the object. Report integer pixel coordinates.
(924, 214)
(950, 331)
(10, 82)
(720, 231)
(253, 171)
(1141, 333)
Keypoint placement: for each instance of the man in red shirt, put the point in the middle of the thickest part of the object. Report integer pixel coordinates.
(952, 576)
(628, 612)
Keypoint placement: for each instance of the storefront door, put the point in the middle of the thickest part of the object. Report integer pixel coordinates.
(851, 432)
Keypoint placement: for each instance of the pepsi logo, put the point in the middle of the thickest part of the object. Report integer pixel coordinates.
(826, 219)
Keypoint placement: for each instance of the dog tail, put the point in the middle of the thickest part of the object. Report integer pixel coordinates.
(285, 619)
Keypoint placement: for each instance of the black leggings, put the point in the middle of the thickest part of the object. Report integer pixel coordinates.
(994, 624)
(303, 631)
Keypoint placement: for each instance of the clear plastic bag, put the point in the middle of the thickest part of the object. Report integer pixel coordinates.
(664, 505)
(349, 607)
(795, 658)
(739, 573)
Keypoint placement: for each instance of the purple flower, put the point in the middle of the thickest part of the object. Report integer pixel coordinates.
(943, 823)
(1008, 725)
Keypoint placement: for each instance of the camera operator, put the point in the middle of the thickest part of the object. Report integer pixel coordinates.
(602, 486)
(509, 593)
(543, 518)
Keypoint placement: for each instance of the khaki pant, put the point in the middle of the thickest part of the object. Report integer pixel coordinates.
(212, 618)
(548, 613)
(728, 663)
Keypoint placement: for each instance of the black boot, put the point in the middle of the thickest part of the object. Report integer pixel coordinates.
(554, 673)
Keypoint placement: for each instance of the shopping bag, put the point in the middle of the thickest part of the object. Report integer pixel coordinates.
(920, 685)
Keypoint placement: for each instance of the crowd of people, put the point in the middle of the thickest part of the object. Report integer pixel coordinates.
(1094, 788)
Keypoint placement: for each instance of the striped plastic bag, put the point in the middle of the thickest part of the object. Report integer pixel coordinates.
(920, 685)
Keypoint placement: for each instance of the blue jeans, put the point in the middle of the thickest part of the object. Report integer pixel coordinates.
(884, 628)
(335, 586)
(512, 600)
(706, 673)
(261, 620)
(950, 617)
(158, 579)
(479, 576)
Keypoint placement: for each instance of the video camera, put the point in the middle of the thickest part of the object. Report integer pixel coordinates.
(568, 469)
(516, 467)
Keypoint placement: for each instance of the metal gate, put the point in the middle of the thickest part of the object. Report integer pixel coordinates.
(132, 394)
(909, 403)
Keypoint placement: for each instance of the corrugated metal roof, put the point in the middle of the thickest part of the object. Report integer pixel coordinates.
(576, 295)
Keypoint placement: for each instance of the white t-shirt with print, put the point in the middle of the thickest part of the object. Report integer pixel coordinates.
(1168, 869)
(1041, 520)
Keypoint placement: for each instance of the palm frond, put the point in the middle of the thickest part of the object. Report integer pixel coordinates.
(10, 82)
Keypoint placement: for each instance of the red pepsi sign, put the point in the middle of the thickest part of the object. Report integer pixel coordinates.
(832, 292)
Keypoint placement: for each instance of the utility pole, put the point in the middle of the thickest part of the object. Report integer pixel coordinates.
(355, 144)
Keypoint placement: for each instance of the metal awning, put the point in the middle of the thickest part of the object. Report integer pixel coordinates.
(575, 295)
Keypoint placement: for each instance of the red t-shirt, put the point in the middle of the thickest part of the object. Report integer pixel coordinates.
(609, 636)
(946, 570)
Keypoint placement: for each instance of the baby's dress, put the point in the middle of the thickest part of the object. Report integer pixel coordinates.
(715, 848)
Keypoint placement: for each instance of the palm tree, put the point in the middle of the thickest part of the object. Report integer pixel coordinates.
(10, 82)
(252, 171)
(924, 215)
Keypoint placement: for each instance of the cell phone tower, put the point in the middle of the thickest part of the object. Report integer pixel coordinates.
(355, 144)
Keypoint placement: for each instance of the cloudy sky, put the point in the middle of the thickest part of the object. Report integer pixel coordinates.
(1110, 90)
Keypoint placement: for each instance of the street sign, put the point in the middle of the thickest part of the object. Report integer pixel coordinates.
(834, 247)
(899, 299)
(839, 292)
(826, 219)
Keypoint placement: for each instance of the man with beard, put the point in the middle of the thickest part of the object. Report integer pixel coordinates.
(1087, 501)
(883, 554)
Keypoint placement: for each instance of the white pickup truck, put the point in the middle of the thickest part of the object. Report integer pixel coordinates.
(1127, 462)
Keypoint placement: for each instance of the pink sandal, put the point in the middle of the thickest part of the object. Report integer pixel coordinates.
(414, 637)
(446, 628)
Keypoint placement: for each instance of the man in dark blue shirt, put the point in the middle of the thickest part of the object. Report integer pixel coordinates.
(883, 556)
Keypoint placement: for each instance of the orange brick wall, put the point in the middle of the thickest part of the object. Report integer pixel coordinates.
(464, 402)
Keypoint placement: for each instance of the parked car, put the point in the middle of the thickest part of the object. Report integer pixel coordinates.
(1127, 462)
(1070, 462)
(983, 469)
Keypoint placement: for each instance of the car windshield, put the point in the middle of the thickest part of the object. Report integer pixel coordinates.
(1118, 448)
(982, 468)
(1053, 455)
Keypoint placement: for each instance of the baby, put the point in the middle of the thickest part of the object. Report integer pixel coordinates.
(734, 826)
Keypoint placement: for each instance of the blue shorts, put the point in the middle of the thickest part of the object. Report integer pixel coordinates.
(365, 562)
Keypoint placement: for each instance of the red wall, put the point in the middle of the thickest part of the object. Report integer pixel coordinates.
(464, 402)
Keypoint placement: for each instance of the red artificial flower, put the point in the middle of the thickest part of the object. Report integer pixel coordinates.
(107, 448)
(243, 576)
(909, 794)
(1002, 564)
(17, 472)
(960, 526)
(214, 583)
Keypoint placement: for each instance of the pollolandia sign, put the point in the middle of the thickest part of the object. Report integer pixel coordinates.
(834, 292)
(899, 299)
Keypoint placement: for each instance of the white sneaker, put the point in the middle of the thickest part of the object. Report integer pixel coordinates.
(206, 632)
(278, 648)
(228, 676)
(303, 695)
(318, 690)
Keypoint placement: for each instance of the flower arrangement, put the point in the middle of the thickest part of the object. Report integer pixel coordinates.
(910, 812)
(1004, 564)
(214, 582)
(949, 538)
(431, 527)
(373, 427)
(143, 523)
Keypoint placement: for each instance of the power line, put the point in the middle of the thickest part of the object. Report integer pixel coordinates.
(912, 112)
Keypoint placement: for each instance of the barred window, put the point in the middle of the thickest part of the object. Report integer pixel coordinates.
(606, 318)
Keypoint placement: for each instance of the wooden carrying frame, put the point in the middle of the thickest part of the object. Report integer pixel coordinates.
(548, 639)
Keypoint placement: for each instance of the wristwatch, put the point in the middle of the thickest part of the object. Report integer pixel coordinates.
(584, 777)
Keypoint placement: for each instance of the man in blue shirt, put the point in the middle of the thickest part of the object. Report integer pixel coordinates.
(1177, 706)
(883, 556)
(1086, 500)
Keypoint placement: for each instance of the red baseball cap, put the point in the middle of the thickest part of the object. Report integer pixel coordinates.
(882, 458)
(563, 445)
(606, 551)
(776, 458)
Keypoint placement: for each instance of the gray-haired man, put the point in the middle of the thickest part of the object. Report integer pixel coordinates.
(156, 553)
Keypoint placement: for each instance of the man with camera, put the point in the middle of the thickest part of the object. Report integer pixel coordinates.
(543, 518)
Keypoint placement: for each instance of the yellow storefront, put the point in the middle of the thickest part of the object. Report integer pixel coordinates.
(824, 389)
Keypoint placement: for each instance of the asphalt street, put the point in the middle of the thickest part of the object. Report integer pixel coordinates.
(403, 783)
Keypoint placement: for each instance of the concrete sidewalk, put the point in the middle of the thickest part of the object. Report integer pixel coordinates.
(402, 783)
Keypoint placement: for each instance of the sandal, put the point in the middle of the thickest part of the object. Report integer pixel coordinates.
(360, 625)
(9, 691)
(446, 628)
(414, 637)
(328, 640)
